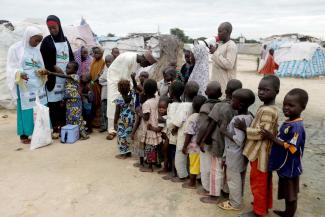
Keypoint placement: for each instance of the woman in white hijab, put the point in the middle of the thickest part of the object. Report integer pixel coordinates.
(26, 79)
(200, 73)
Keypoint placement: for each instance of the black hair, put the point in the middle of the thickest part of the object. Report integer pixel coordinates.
(176, 89)
(301, 94)
(150, 87)
(144, 73)
(171, 71)
(233, 85)
(274, 80)
(227, 27)
(215, 87)
(75, 65)
(191, 89)
(198, 101)
(124, 86)
(245, 96)
(164, 99)
(97, 48)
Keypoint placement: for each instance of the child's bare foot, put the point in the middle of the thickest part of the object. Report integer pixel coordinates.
(137, 165)
(121, 156)
(202, 192)
(146, 170)
(188, 185)
(280, 213)
(176, 179)
(163, 171)
(210, 199)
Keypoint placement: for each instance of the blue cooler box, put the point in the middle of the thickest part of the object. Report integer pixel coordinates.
(69, 133)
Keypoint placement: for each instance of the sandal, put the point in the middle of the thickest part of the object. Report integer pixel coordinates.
(227, 206)
(110, 136)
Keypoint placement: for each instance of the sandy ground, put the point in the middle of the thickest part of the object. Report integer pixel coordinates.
(84, 179)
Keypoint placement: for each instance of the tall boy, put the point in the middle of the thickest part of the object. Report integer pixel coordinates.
(257, 149)
(221, 114)
(287, 151)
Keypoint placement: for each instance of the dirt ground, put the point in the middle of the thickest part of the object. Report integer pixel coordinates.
(86, 180)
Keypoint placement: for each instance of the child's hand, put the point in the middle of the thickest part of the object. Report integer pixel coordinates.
(266, 134)
(202, 148)
(174, 131)
(184, 150)
(133, 75)
(240, 124)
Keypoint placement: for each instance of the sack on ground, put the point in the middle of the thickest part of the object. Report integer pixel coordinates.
(42, 129)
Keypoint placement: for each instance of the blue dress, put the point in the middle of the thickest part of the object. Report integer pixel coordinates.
(125, 123)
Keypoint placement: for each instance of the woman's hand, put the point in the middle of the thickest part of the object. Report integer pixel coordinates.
(24, 76)
(184, 150)
(42, 72)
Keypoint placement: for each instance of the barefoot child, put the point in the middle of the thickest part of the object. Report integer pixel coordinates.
(183, 112)
(103, 82)
(150, 115)
(221, 114)
(73, 98)
(213, 92)
(190, 146)
(257, 148)
(287, 150)
(234, 145)
(124, 118)
(176, 90)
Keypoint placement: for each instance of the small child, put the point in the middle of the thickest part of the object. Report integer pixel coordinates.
(188, 66)
(150, 115)
(257, 148)
(179, 76)
(124, 118)
(103, 82)
(73, 98)
(190, 145)
(138, 88)
(176, 90)
(213, 92)
(234, 145)
(163, 85)
(184, 110)
(221, 114)
(287, 150)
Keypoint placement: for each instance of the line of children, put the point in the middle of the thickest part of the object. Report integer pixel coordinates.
(219, 136)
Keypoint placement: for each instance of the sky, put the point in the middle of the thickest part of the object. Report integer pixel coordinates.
(253, 19)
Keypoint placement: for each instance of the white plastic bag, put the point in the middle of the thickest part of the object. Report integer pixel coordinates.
(42, 130)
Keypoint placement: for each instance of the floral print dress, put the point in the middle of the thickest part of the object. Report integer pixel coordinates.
(125, 123)
(73, 103)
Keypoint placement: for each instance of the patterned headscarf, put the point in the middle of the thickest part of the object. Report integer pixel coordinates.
(83, 65)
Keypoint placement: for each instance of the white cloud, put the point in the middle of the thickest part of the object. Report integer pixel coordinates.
(253, 18)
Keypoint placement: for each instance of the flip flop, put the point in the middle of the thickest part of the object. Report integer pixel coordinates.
(227, 206)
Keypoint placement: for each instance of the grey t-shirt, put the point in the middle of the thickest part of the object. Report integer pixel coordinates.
(235, 159)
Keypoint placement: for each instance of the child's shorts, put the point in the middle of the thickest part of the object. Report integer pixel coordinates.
(194, 163)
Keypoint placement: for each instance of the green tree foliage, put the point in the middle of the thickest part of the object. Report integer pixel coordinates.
(181, 35)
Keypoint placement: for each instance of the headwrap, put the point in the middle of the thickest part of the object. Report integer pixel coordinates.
(83, 65)
(52, 20)
(149, 57)
(16, 55)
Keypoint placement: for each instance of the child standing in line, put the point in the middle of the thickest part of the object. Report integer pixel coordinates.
(169, 76)
(124, 118)
(138, 132)
(73, 98)
(103, 82)
(138, 87)
(257, 148)
(176, 90)
(183, 112)
(190, 145)
(221, 114)
(234, 145)
(213, 92)
(150, 115)
(287, 150)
